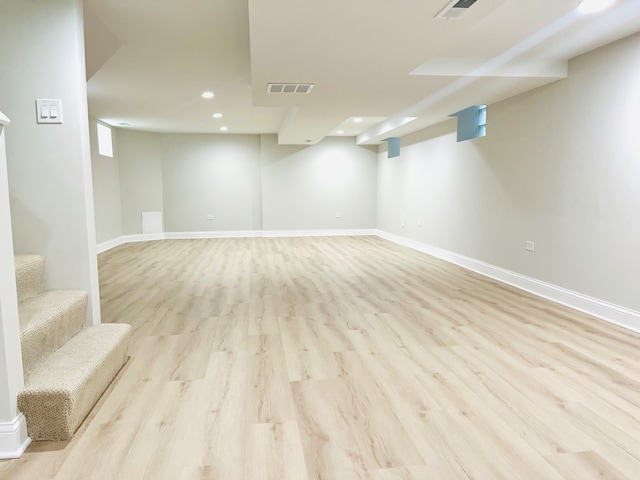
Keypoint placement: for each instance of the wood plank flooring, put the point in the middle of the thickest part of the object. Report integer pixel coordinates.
(345, 359)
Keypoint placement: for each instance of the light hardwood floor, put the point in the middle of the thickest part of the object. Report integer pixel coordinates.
(345, 359)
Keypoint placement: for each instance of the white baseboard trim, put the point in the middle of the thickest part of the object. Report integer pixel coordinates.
(116, 242)
(109, 244)
(621, 316)
(213, 234)
(14, 438)
(144, 237)
(317, 233)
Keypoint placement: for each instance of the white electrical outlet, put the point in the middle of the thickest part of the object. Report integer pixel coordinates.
(529, 246)
(209, 217)
(338, 215)
(419, 223)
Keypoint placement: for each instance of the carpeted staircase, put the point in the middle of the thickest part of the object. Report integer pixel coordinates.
(67, 366)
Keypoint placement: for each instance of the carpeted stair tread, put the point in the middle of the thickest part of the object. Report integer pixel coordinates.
(61, 392)
(67, 367)
(47, 321)
(29, 274)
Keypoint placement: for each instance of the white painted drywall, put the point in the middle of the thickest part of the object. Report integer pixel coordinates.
(246, 182)
(303, 188)
(559, 166)
(11, 373)
(106, 188)
(49, 166)
(140, 166)
(212, 175)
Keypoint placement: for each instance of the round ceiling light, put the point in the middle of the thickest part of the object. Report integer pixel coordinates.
(207, 95)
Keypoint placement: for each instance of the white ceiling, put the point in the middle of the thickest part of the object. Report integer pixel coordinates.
(392, 63)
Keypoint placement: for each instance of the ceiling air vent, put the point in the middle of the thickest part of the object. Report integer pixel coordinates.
(289, 87)
(455, 9)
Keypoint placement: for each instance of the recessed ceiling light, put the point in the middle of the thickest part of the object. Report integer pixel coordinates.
(217, 115)
(592, 6)
(357, 120)
(207, 95)
(224, 128)
(340, 132)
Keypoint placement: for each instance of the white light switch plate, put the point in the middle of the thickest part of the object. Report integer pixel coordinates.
(49, 110)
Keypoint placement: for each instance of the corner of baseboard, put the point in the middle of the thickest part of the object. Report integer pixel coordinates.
(116, 242)
(14, 438)
(109, 244)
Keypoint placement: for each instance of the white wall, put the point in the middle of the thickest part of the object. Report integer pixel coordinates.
(106, 188)
(140, 165)
(304, 187)
(11, 373)
(49, 166)
(246, 182)
(560, 167)
(216, 175)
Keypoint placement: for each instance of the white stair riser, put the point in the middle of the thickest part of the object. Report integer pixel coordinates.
(29, 275)
(40, 342)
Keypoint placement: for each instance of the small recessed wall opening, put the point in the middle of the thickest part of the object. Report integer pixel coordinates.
(105, 142)
(472, 122)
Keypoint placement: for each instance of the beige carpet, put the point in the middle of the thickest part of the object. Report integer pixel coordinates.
(67, 366)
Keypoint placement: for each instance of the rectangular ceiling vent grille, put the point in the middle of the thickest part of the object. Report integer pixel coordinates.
(289, 87)
(455, 9)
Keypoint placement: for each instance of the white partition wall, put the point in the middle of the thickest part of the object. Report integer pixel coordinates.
(49, 165)
(13, 429)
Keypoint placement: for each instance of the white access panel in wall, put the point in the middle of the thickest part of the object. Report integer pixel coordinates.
(152, 222)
